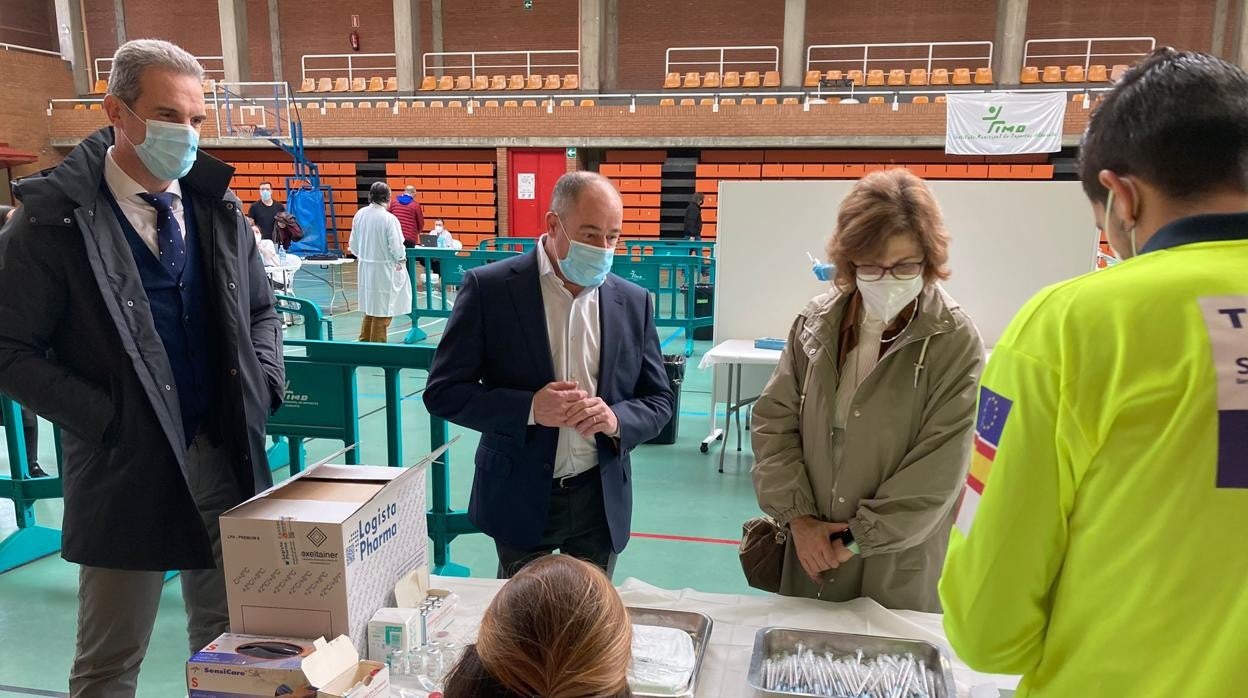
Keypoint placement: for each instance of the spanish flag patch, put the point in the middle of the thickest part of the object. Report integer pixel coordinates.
(994, 410)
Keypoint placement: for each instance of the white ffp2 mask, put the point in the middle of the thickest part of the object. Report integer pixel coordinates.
(884, 298)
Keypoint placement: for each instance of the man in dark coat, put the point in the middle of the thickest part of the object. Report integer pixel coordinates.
(693, 218)
(131, 264)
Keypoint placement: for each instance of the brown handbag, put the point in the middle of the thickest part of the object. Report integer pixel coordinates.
(762, 552)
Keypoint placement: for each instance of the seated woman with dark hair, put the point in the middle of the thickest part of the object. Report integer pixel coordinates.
(558, 629)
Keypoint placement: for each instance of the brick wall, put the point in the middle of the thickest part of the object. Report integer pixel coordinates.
(502, 184)
(900, 21)
(195, 26)
(258, 52)
(322, 26)
(102, 28)
(28, 23)
(589, 126)
(1186, 25)
(650, 27)
(30, 80)
(504, 25)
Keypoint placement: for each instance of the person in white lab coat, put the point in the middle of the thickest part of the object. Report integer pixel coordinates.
(377, 243)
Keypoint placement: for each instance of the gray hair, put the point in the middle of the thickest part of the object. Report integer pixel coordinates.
(379, 193)
(569, 188)
(134, 56)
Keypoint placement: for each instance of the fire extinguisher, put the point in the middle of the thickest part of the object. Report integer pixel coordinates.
(355, 40)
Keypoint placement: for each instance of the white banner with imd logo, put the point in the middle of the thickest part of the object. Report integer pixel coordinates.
(1005, 124)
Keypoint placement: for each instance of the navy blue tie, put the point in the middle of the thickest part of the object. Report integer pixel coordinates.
(169, 241)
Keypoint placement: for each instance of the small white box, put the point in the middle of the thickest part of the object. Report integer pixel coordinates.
(253, 666)
(318, 554)
(393, 628)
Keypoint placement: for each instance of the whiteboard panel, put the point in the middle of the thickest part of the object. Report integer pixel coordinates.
(1009, 240)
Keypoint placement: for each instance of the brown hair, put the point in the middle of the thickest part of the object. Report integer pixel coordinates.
(558, 629)
(880, 206)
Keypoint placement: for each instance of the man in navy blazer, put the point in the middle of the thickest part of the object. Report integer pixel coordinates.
(557, 363)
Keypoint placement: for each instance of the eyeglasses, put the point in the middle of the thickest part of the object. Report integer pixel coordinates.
(902, 272)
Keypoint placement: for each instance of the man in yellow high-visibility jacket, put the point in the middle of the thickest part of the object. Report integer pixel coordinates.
(1102, 542)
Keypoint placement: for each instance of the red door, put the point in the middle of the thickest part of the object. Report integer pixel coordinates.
(533, 173)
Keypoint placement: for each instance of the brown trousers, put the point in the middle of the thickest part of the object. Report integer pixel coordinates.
(375, 329)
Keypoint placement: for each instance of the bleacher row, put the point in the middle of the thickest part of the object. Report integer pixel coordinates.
(641, 187)
(461, 194)
(916, 77)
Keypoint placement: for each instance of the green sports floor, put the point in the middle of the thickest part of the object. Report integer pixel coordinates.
(686, 520)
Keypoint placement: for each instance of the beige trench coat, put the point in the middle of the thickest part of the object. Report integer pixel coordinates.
(905, 455)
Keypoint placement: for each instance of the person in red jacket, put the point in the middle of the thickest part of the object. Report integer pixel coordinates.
(411, 216)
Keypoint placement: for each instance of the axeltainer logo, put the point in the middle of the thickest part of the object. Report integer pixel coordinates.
(317, 536)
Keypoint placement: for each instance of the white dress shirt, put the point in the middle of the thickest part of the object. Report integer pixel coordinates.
(572, 326)
(141, 214)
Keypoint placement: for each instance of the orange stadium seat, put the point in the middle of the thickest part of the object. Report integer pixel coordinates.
(896, 78)
(920, 99)
(961, 76)
(1116, 73)
(366, 105)
(446, 83)
(667, 102)
(359, 84)
(1051, 73)
(572, 81)
(80, 107)
(706, 102)
(918, 77)
(325, 85)
(376, 84)
(672, 81)
(836, 75)
(516, 82)
(1075, 73)
(752, 79)
(791, 101)
(732, 79)
(498, 82)
(692, 80)
(392, 84)
(491, 104)
(347, 105)
(463, 83)
(567, 103)
(769, 101)
(983, 76)
(940, 99)
(686, 102)
(587, 102)
(712, 79)
(1098, 73)
(552, 82)
(454, 104)
(308, 85)
(728, 102)
(812, 78)
(480, 83)
(341, 85)
(875, 99)
(856, 77)
(771, 78)
(534, 82)
(101, 86)
(875, 78)
(1030, 75)
(96, 107)
(428, 84)
(748, 101)
(334, 105)
(940, 76)
(511, 104)
(436, 104)
(529, 103)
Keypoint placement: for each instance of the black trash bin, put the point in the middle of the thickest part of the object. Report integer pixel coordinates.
(674, 364)
(703, 306)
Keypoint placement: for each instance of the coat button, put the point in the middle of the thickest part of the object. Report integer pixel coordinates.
(841, 500)
(857, 413)
(229, 207)
(233, 371)
(810, 351)
(129, 304)
(232, 287)
(168, 387)
(67, 221)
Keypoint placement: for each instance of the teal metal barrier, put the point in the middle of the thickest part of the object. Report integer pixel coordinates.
(30, 541)
(432, 299)
(315, 324)
(506, 244)
(445, 524)
(671, 281)
(669, 247)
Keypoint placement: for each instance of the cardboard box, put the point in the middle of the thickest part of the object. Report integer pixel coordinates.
(318, 554)
(252, 666)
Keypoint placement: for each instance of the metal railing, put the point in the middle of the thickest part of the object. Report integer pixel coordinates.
(348, 62)
(29, 49)
(1082, 49)
(722, 60)
(104, 67)
(864, 56)
(500, 60)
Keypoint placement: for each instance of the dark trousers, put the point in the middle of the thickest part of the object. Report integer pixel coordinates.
(576, 525)
(30, 428)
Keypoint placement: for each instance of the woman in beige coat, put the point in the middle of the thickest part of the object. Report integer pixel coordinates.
(867, 423)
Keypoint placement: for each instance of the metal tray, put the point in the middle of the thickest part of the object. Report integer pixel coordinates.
(771, 641)
(698, 626)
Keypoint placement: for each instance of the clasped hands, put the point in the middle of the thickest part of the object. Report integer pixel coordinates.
(562, 404)
(816, 548)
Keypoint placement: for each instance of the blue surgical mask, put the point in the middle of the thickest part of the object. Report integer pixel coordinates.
(169, 150)
(586, 265)
(266, 195)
